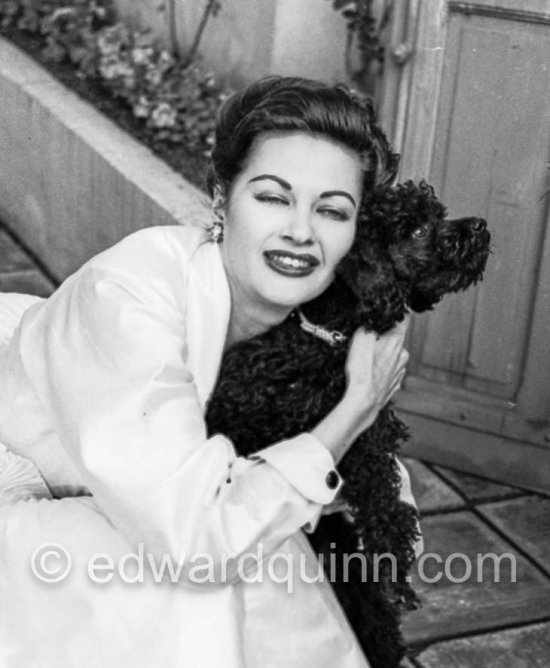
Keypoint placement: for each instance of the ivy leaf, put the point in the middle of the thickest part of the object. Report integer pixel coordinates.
(88, 65)
(77, 53)
(144, 38)
(54, 52)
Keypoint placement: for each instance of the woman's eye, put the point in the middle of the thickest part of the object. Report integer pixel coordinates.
(271, 199)
(335, 214)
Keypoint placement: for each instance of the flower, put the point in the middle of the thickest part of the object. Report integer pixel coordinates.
(142, 55)
(111, 39)
(142, 107)
(165, 60)
(164, 116)
(153, 76)
(112, 67)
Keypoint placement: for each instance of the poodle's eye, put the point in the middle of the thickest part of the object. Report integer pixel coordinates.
(420, 232)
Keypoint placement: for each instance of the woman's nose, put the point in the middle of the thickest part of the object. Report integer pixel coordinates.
(299, 229)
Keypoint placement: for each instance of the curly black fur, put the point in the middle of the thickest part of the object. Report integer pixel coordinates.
(406, 256)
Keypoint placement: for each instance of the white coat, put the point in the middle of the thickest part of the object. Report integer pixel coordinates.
(103, 388)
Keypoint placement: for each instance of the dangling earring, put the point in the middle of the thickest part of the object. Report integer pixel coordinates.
(215, 231)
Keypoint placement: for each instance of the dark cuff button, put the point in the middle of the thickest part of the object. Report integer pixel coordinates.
(332, 480)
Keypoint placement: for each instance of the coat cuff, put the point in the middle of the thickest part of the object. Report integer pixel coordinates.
(408, 497)
(306, 464)
(406, 494)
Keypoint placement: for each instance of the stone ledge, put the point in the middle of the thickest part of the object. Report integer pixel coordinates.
(73, 183)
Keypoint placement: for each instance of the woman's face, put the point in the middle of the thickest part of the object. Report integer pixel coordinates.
(290, 218)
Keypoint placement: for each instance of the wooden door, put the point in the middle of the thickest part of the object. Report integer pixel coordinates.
(470, 111)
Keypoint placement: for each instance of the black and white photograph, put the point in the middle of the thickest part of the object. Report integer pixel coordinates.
(274, 334)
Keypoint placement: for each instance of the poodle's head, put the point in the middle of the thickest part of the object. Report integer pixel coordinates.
(408, 255)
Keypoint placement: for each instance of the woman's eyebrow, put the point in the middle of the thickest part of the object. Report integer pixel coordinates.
(285, 184)
(341, 193)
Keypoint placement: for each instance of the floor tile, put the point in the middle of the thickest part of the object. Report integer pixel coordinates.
(519, 595)
(527, 647)
(474, 488)
(526, 521)
(12, 257)
(430, 491)
(30, 282)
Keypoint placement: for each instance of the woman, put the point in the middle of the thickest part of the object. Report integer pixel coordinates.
(103, 389)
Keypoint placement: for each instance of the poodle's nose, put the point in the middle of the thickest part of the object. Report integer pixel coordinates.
(478, 224)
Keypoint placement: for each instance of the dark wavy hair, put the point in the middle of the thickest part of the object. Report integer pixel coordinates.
(288, 104)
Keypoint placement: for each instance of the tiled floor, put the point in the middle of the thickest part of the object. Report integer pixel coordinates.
(497, 615)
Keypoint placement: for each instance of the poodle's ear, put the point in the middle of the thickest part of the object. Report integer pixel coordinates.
(381, 299)
(383, 304)
(362, 264)
(425, 297)
(420, 302)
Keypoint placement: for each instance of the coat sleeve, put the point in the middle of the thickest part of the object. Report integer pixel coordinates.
(405, 495)
(107, 358)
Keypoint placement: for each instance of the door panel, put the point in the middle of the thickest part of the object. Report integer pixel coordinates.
(481, 360)
(491, 122)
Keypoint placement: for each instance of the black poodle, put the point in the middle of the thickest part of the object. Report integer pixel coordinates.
(406, 256)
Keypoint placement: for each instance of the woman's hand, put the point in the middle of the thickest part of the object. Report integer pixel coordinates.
(375, 368)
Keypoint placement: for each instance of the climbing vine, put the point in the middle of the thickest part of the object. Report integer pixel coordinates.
(364, 50)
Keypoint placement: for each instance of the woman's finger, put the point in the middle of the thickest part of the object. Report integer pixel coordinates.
(400, 377)
(404, 324)
(400, 330)
(396, 386)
